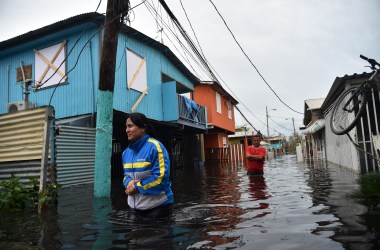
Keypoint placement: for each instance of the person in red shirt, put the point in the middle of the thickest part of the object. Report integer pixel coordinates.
(255, 155)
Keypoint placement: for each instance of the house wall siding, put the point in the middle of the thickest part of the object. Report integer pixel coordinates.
(211, 141)
(156, 63)
(206, 96)
(339, 149)
(78, 95)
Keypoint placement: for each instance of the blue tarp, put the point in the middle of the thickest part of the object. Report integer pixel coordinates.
(192, 108)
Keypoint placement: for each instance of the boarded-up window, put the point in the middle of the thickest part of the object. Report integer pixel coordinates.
(50, 65)
(218, 103)
(136, 72)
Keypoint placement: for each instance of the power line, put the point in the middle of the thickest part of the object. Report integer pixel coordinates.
(251, 61)
(279, 124)
(185, 50)
(209, 67)
(84, 46)
(187, 38)
(64, 60)
(191, 26)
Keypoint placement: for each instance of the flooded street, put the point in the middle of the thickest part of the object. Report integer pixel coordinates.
(293, 206)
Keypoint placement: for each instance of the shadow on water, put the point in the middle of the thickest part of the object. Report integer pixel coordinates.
(293, 206)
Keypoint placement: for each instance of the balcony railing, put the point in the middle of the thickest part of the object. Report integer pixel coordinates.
(191, 113)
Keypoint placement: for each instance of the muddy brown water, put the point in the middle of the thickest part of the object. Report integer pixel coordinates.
(293, 206)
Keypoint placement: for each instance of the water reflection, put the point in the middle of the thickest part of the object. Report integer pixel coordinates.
(293, 206)
(258, 192)
(214, 211)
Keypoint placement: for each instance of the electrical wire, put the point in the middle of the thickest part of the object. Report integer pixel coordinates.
(209, 67)
(68, 54)
(185, 54)
(155, 16)
(251, 60)
(191, 26)
(219, 75)
(279, 124)
(187, 38)
(122, 15)
(88, 41)
(185, 50)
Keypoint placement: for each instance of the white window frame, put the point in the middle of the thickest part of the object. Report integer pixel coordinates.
(136, 71)
(218, 103)
(229, 107)
(50, 65)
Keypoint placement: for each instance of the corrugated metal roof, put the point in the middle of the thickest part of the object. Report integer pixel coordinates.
(97, 18)
(314, 103)
(50, 29)
(338, 87)
(241, 134)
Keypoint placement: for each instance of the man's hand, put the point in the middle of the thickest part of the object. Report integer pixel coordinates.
(255, 157)
(131, 189)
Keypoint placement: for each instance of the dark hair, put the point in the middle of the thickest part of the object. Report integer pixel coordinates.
(258, 135)
(141, 121)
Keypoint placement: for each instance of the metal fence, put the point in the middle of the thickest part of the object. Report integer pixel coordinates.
(359, 154)
(75, 157)
(233, 154)
(24, 137)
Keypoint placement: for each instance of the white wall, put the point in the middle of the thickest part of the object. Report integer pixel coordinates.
(340, 150)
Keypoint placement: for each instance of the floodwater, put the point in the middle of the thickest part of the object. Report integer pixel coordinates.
(293, 206)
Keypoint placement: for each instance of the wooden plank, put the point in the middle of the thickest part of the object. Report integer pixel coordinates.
(45, 149)
(50, 63)
(136, 73)
(139, 100)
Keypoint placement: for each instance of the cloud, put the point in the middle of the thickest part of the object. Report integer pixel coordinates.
(299, 46)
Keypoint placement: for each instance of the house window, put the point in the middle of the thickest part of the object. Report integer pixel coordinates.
(50, 65)
(229, 106)
(136, 72)
(218, 103)
(224, 142)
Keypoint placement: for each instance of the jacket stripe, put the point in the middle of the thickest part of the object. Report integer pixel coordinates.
(142, 164)
(161, 163)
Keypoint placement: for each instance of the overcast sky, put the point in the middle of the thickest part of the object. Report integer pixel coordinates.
(298, 46)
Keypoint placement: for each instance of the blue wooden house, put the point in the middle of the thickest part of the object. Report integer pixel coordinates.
(58, 65)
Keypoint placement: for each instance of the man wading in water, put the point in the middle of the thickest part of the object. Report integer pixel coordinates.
(255, 155)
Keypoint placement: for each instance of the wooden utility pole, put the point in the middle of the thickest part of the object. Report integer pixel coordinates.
(104, 117)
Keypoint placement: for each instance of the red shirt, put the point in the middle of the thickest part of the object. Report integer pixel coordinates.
(255, 166)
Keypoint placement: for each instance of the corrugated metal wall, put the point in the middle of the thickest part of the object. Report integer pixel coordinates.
(340, 150)
(83, 78)
(21, 143)
(21, 135)
(75, 155)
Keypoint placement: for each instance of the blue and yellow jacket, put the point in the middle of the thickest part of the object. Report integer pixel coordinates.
(148, 161)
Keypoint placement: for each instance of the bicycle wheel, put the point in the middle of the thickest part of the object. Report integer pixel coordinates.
(348, 109)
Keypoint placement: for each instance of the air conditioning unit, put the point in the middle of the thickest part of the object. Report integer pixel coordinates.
(17, 106)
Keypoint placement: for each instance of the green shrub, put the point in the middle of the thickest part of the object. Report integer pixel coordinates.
(369, 190)
(15, 195)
